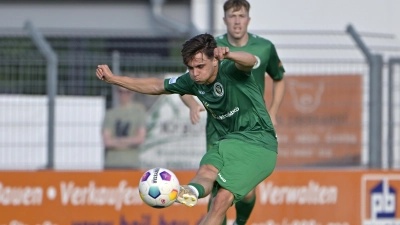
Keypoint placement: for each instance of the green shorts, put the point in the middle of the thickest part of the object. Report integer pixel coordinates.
(242, 166)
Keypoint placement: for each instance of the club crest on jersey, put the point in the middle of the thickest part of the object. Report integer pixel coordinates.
(257, 63)
(218, 89)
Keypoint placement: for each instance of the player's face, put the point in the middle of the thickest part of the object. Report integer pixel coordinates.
(203, 70)
(236, 22)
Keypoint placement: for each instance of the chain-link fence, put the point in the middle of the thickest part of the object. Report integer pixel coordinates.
(323, 120)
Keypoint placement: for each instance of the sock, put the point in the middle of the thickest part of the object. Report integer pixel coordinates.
(198, 189)
(243, 211)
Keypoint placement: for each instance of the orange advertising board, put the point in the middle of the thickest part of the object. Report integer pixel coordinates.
(320, 120)
(111, 198)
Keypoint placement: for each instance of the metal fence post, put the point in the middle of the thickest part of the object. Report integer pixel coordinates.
(375, 115)
(391, 121)
(116, 61)
(375, 62)
(211, 17)
(52, 80)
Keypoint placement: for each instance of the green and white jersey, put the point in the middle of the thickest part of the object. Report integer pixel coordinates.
(234, 103)
(267, 61)
(265, 52)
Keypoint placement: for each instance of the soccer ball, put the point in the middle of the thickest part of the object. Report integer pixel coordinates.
(158, 187)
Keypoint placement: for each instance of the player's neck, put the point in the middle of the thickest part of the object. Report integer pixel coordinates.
(212, 77)
(238, 42)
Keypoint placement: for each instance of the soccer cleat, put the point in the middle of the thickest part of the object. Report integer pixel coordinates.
(187, 196)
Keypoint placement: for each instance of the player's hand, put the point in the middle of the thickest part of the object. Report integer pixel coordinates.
(195, 113)
(104, 73)
(221, 52)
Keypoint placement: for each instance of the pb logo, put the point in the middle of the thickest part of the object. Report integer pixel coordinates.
(380, 200)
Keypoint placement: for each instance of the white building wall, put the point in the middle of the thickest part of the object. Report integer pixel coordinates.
(366, 15)
(103, 15)
(93, 16)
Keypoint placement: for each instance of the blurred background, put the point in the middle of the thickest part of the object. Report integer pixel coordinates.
(341, 110)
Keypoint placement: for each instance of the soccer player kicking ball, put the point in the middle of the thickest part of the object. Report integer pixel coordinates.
(222, 80)
(237, 19)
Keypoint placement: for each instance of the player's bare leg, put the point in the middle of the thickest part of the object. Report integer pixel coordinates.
(214, 192)
(200, 186)
(219, 206)
(250, 196)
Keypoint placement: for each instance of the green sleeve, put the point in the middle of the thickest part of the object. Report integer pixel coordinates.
(228, 67)
(275, 68)
(179, 85)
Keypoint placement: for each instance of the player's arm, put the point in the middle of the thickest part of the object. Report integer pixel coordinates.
(194, 107)
(244, 61)
(109, 141)
(278, 91)
(275, 70)
(151, 86)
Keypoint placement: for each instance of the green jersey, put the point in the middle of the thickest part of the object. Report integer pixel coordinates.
(267, 62)
(265, 53)
(234, 103)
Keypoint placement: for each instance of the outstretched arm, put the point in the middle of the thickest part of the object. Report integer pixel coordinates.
(150, 86)
(194, 106)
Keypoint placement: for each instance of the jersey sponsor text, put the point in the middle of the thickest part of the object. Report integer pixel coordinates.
(229, 114)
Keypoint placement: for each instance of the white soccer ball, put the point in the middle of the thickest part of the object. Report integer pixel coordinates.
(159, 187)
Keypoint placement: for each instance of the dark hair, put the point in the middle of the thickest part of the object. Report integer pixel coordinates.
(236, 5)
(202, 43)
